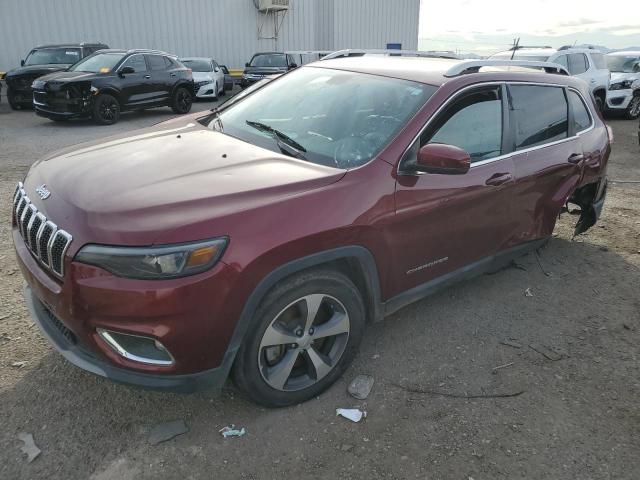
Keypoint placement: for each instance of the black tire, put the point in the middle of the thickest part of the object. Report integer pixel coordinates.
(338, 291)
(215, 91)
(106, 109)
(223, 92)
(633, 110)
(12, 101)
(181, 101)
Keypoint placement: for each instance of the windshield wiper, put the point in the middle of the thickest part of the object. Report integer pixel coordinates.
(283, 139)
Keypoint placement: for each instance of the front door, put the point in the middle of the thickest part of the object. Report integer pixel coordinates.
(135, 86)
(446, 222)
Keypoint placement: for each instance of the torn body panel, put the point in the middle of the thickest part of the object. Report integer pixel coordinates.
(590, 200)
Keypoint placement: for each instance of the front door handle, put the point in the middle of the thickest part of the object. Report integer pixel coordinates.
(499, 179)
(172, 74)
(147, 77)
(576, 158)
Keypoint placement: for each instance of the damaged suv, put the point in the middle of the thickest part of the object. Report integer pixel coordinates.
(260, 240)
(111, 81)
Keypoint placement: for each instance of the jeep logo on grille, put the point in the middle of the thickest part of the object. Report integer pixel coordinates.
(43, 191)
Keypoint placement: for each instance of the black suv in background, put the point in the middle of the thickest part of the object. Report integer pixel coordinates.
(40, 61)
(111, 81)
(264, 64)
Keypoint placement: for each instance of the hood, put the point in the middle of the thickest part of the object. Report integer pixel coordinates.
(264, 70)
(202, 76)
(33, 70)
(60, 78)
(617, 77)
(138, 189)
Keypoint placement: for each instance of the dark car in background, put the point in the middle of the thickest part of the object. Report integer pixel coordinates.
(41, 61)
(264, 64)
(111, 81)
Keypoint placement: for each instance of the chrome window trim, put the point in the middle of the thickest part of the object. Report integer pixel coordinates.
(506, 155)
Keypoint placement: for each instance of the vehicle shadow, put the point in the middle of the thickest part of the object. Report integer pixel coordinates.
(580, 299)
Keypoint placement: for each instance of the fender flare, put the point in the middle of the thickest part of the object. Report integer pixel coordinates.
(359, 253)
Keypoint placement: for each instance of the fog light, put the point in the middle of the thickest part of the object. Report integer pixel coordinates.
(137, 348)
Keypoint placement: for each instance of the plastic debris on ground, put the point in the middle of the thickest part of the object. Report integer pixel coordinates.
(232, 431)
(361, 386)
(353, 414)
(166, 431)
(528, 293)
(29, 447)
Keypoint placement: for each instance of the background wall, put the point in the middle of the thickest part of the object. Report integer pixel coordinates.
(223, 29)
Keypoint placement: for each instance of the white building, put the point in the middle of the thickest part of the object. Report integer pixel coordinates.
(228, 30)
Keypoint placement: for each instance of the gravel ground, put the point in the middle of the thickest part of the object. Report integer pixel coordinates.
(574, 355)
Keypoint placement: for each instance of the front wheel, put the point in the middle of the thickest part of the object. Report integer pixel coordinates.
(182, 100)
(633, 110)
(12, 101)
(106, 109)
(599, 103)
(306, 332)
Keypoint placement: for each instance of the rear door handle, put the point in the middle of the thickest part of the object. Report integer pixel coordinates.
(499, 179)
(147, 77)
(575, 158)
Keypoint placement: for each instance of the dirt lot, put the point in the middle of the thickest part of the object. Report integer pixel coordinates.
(578, 417)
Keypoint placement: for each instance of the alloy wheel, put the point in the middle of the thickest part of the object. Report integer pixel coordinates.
(184, 100)
(304, 342)
(108, 110)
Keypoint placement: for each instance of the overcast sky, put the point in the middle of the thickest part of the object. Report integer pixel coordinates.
(490, 25)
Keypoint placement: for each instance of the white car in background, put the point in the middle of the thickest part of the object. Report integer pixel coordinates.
(208, 77)
(624, 93)
(585, 63)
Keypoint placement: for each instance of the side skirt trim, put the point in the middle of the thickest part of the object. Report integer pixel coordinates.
(483, 265)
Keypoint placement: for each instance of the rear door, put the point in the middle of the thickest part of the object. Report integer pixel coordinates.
(161, 81)
(446, 222)
(548, 156)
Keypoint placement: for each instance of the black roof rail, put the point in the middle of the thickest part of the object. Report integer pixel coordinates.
(527, 47)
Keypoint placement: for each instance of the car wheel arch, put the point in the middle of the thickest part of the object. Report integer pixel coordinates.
(346, 259)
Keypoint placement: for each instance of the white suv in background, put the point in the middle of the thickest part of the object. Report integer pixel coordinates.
(624, 92)
(585, 63)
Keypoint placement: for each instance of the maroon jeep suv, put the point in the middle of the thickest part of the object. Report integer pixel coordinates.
(258, 241)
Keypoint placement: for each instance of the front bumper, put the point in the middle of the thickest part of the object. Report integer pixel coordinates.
(55, 106)
(190, 316)
(21, 96)
(206, 91)
(61, 338)
(619, 99)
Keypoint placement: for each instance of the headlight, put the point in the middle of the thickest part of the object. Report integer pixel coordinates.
(624, 85)
(153, 263)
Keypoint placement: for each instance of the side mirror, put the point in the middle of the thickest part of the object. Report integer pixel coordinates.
(216, 69)
(224, 69)
(22, 63)
(247, 64)
(443, 159)
(126, 71)
(292, 66)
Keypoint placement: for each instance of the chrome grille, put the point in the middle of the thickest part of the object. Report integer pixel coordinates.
(42, 237)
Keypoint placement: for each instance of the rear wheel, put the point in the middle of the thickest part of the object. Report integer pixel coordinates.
(599, 103)
(306, 332)
(633, 110)
(182, 100)
(106, 109)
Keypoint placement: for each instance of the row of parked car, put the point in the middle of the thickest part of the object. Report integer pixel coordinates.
(614, 79)
(92, 80)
